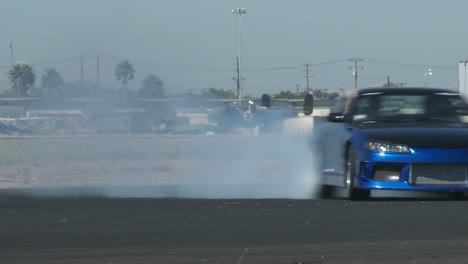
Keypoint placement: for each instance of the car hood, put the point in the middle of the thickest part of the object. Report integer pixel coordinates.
(421, 137)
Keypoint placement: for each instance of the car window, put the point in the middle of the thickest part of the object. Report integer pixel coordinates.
(363, 105)
(365, 108)
(339, 107)
(404, 107)
(399, 104)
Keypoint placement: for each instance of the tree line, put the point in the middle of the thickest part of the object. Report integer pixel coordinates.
(320, 94)
(23, 78)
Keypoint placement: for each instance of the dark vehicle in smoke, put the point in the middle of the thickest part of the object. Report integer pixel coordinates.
(396, 139)
(265, 113)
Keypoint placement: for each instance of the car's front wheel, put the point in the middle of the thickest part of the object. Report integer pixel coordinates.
(458, 196)
(353, 193)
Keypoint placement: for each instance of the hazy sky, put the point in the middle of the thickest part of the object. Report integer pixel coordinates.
(193, 44)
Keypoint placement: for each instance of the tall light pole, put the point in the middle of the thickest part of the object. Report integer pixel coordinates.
(10, 45)
(427, 73)
(240, 12)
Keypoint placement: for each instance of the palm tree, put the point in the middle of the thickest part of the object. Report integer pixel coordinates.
(22, 78)
(152, 87)
(124, 72)
(52, 81)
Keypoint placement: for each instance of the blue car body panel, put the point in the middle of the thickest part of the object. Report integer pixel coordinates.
(420, 156)
(437, 150)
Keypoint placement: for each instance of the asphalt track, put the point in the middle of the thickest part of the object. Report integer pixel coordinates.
(160, 230)
(114, 224)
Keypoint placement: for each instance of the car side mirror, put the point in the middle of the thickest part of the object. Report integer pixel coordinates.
(308, 104)
(266, 100)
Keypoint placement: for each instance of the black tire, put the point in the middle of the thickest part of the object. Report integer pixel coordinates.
(326, 192)
(353, 193)
(458, 196)
(308, 107)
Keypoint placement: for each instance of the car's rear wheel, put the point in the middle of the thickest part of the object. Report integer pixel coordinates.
(326, 191)
(353, 193)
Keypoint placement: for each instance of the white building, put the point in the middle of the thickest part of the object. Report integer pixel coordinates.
(462, 78)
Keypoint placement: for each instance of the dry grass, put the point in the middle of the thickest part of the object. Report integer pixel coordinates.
(78, 161)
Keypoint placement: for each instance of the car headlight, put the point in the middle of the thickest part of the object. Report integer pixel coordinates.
(387, 147)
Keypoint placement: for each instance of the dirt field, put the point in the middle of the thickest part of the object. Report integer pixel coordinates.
(153, 161)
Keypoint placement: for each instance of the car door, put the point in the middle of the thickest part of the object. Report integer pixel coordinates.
(331, 139)
(338, 134)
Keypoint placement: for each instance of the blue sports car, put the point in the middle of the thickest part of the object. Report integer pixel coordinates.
(395, 139)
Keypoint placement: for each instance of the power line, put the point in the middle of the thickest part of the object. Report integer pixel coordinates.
(198, 68)
(328, 62)
(273, 69)
(154, 64)
(408, 64)
(56, 61)
(279, 68)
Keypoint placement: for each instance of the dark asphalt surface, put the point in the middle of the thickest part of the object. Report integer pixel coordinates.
(143, 230)
(80, 225)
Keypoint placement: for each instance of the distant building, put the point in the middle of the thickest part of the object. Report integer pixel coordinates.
(462, 77)
(11, 111)
(386, 84)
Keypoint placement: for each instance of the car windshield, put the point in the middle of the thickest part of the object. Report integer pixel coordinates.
(438, 107)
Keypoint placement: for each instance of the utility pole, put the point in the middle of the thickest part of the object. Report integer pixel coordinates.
(307, 76)
(355, 69)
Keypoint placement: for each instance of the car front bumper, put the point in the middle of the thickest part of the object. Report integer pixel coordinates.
(422, 170)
